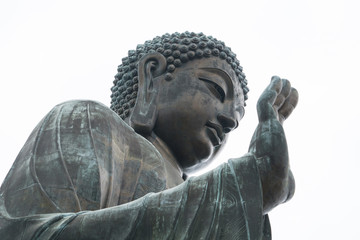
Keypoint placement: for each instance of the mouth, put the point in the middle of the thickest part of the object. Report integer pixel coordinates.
(215, 133)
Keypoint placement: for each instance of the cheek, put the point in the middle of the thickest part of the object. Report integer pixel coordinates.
(206, 104)
(192, 109)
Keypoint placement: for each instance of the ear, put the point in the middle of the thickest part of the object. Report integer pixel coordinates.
(144, 114)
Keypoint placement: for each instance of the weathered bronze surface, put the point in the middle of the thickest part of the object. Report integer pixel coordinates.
(89, 172)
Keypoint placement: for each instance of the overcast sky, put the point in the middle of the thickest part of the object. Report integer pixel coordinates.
(54, 51)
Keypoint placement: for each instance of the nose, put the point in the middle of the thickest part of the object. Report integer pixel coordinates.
(228, 122)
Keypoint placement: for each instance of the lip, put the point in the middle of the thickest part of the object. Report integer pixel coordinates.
(215, 133)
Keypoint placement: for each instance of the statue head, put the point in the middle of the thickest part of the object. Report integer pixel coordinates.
(188, 89)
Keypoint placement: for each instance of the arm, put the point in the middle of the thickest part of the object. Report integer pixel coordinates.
(214, 205)
(269, 145)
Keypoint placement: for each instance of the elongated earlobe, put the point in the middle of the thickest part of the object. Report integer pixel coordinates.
(143, 116)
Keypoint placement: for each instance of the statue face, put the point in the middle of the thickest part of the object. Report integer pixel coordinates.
(197, 108)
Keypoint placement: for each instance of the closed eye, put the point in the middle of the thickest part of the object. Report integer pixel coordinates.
(215, 89)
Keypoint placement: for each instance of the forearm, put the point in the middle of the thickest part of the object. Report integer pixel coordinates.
(164, 215)
(270, 149)
(216, 202)
(269, 146)
(213, 204)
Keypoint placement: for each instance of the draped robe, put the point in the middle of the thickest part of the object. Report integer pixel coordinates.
(85, 174)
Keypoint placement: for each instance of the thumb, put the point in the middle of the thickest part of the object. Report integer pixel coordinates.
(265, 103)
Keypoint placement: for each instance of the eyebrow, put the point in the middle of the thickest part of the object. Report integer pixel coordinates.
(227, 79)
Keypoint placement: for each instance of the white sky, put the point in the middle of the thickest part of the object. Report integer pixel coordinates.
(53, 51)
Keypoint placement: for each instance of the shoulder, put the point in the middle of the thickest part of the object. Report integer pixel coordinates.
(128, 157)
(105, 126)
(93, 116)
(81, 154)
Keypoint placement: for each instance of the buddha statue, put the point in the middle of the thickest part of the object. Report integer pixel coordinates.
(92, 172)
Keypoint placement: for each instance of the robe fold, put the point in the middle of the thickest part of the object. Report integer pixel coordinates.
(85, 174)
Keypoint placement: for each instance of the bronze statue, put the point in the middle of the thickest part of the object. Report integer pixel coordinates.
(86, 173)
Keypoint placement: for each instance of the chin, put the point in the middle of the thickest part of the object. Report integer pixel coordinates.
(201, 156)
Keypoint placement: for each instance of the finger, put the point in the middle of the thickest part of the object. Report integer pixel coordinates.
(267, 99)
(275, 84)
(272, 90)
(285, 91)
(289, 105)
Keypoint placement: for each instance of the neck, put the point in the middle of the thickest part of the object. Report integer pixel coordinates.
(173, 170)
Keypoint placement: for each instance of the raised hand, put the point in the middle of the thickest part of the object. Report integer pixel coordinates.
(277, 101)
(268, 144)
